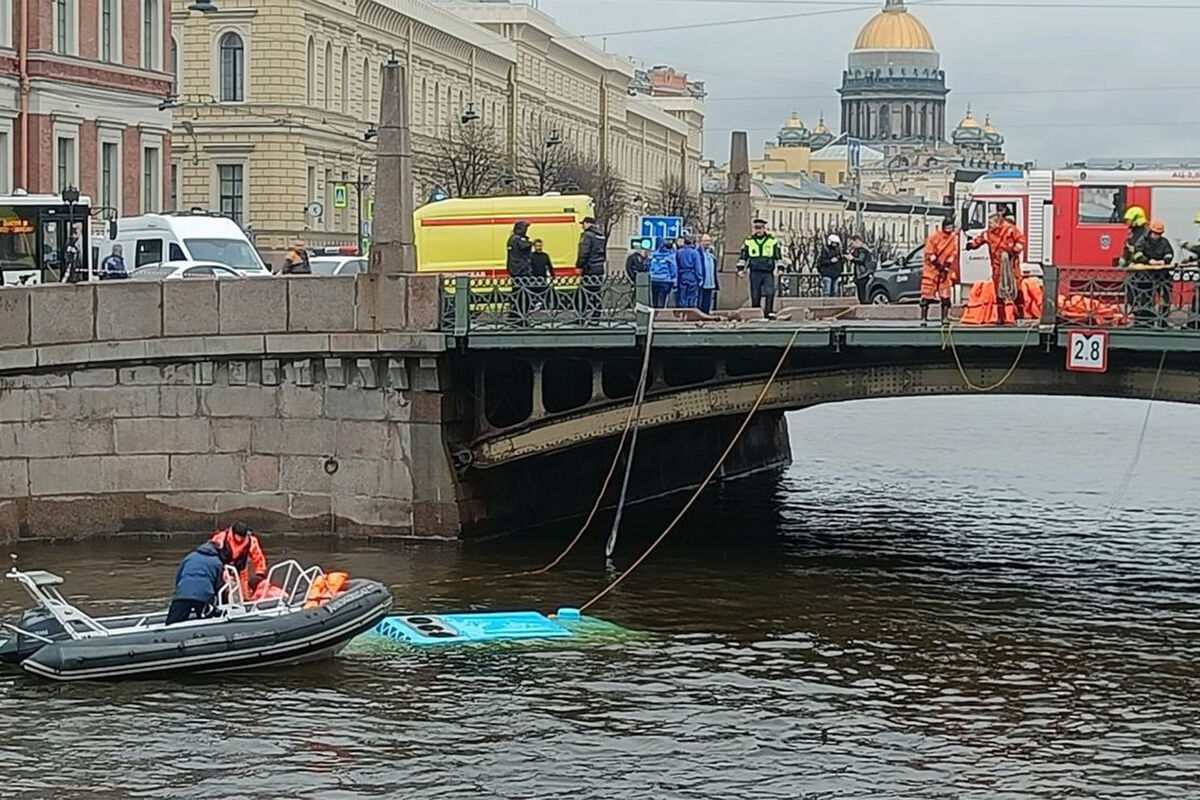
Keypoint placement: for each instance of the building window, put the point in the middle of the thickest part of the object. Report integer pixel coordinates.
(173, 64)
(110, 171)
(329, 75)
(151, 180)
(311, 186)
(151, 37)
(5, 162)
(110, 47)
(366, 89)
(66, 26)
(310, 72)
(65, 163)
(233, 68)
(230, 191)
(345, 81)
(174, 199)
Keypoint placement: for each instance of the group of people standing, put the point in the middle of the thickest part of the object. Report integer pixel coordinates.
(835, 260)
(942, 268)
(685, 268)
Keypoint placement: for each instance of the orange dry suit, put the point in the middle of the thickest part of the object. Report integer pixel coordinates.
(246, 556)
(940, 272)
(1005, 238)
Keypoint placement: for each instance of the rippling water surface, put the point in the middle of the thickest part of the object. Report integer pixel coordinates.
(925, 606)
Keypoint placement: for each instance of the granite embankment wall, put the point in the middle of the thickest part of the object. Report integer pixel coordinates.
(305, 404)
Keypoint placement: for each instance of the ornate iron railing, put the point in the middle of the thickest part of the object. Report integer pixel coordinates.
(513, 304)
(1165, 298)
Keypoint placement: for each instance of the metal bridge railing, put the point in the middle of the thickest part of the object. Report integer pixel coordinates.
(1141, 298)
(808, 284)
(514, 304)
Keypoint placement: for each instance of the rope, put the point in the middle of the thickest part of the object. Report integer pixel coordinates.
(1127, 479)
(948, 340)
(631, 420)
(639, 398)
(762, 395)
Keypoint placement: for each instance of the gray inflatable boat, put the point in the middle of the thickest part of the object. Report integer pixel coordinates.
(59, 641)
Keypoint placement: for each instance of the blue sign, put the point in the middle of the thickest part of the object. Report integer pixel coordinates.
(662, 227)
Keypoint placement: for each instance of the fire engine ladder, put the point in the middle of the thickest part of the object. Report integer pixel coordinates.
(1041, 198)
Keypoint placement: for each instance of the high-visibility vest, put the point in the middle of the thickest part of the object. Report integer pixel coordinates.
(760, 248)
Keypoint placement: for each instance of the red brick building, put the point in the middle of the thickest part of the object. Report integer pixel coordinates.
(80, 86)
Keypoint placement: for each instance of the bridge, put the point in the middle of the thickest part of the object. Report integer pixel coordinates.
(402, 405)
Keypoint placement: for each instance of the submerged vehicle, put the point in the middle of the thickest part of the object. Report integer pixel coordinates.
(299, 622)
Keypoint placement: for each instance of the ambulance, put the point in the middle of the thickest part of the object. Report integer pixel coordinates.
(1075, 218)
(469, 236)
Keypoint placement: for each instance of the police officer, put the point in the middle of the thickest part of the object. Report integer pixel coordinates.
(761, 254)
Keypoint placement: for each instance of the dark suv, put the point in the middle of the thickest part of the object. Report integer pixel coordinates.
(897, 280)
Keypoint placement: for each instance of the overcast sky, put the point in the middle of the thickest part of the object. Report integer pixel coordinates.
(1019, 60)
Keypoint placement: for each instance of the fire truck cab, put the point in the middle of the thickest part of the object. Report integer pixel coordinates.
(1076, 217)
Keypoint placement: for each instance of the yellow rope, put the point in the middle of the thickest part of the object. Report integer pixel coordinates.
(948, 340)
(704, 484)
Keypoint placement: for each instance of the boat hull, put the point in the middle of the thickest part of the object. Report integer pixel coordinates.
(235, 644)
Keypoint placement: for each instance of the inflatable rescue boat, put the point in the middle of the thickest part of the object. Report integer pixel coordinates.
(305, 617)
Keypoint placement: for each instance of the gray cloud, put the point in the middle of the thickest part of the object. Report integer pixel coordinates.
(1023, 52)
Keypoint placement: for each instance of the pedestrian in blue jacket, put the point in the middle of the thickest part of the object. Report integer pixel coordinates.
(691, 274)
(664, 272)
(200, 577)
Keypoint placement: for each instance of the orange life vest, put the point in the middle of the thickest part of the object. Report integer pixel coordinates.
(325, 588)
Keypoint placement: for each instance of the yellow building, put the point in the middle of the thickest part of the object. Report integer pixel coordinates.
(276, 101)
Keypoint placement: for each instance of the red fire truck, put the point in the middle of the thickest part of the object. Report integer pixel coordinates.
(1076, 217)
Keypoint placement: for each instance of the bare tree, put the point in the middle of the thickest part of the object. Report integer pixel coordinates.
(712, 214)
(673, 199)
(468, 162)
(586, 174)
(541, 158)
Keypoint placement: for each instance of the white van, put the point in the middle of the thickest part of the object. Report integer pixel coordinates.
(184, 236)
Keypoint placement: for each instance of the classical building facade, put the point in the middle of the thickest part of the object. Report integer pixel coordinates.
(81, 82)
(277, 103)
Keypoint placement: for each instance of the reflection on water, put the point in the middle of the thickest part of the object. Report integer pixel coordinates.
(923, 606)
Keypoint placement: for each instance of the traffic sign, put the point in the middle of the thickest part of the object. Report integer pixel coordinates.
(662, 227)
(1087, 351)
(339, 195)
(370, 208)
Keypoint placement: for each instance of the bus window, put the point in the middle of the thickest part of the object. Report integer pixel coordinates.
(18, 236)
(51, 247)
(1101, 205)
(149, 251)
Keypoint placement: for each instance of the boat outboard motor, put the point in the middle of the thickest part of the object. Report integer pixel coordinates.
(20, 646)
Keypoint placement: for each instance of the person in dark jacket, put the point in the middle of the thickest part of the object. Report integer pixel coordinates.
(1153, 280)
(862, 266)
(520, 270)
(199, 579)
(520, 251)
(635, 263)
(592, 260)
(541, 271)
(295, 261)
(829, 265)
(113, 266)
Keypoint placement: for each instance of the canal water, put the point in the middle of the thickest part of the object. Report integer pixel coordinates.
(929, 604)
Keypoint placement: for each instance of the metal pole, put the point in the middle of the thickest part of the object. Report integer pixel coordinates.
(358, 232)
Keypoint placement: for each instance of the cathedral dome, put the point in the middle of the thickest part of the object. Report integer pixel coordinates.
(894, 29)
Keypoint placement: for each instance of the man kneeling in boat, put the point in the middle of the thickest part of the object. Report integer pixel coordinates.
(240, 548)
(201, 575)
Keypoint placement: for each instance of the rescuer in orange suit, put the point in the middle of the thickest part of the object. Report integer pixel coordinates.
(1004, 238)
(940, 272)
(239, 547)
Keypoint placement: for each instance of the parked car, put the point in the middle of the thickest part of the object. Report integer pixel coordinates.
(897, 280)
(337, 265)
(178, 270)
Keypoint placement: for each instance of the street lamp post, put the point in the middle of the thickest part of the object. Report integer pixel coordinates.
(360, 186)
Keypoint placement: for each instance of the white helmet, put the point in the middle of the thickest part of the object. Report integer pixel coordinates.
(834, 239)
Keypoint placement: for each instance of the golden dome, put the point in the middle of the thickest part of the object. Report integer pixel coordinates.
(894, 29)
(969, 121)
(820, 130)
(794, 121)
(987, 126)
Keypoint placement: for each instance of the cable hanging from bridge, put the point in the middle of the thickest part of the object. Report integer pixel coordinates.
(948, 341)
(762, 396)
(632, 421)
(1127, 479)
